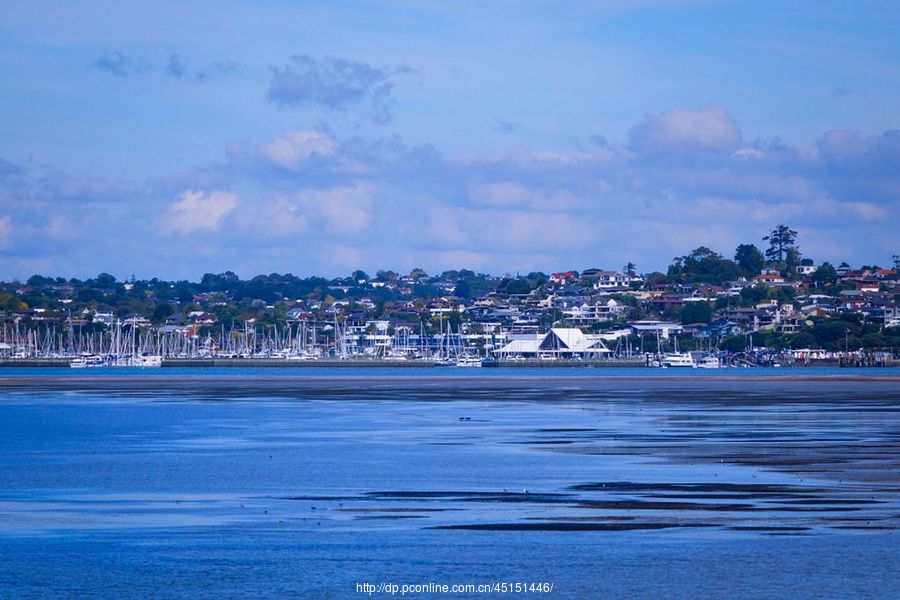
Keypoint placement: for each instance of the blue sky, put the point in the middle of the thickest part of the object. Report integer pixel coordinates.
(321, 137)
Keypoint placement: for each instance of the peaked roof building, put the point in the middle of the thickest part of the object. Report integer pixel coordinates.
(559, 342)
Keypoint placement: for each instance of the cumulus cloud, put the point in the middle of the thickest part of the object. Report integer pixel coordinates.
(516, 195)
(44, 187)
(582, 204)
(335, 83)
(195, 211)
(386, 204)
(709, 128)
(341, 210)
(294, 147)
(336, 212)
(852, 148)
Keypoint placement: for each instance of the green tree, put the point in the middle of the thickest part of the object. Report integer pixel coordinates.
(826, 272)
(386, 275)
(803, 340)
(703, 265)
(874, 341)
(39, 280)
(630, 269)
(750, 259)
(518, 286)
(792, 260)
(780, 239)
(162, 311)
(696, 312)
(9, 301)
(655, 278)
(735, 343)
(105, 281)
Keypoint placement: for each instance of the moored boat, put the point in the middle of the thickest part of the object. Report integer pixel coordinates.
(87, 361)
(677, 359)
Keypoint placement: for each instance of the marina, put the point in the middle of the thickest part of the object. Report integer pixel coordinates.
(129, 345)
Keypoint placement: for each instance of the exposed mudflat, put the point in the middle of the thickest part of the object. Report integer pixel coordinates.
(765, 454)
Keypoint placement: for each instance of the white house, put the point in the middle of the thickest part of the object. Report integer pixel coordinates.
(610, 279)
(587, 314)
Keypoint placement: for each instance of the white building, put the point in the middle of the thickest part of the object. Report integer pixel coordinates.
(609, 279)
(587, 314)
(664, 328)
(558, 343)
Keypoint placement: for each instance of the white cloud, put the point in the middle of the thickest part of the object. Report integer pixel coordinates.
(346, 257)
(294, 147)
(867, 211)
(60, 228)
(278, 217)
(341, 210)
(195, 211)
(680, 128)
(515, 195)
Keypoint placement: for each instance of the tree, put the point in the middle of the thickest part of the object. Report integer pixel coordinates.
(803, 340)
(826, 272)
(9, 302)
(703, 265)
(696, 312)
(792, 260)
(655, 278)
(360, 275)
(105, 281)
(750, 259)
(39, 280)
(780, 239)
(162, 311)
(518, 286)
(735, 343)
(630, 269)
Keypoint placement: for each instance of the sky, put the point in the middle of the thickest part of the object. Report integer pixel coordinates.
(171, 139)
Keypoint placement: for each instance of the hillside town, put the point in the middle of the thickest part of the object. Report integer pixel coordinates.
(762, 307)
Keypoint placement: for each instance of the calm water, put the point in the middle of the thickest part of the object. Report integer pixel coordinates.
(304, 483)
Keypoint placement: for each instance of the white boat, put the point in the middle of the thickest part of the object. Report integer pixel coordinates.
(468, 361)
(709, 362)
(149, 360)
(677, 359)
(87, 361)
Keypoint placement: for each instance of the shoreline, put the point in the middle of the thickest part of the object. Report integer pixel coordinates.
(404, 364)
(16, 381)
